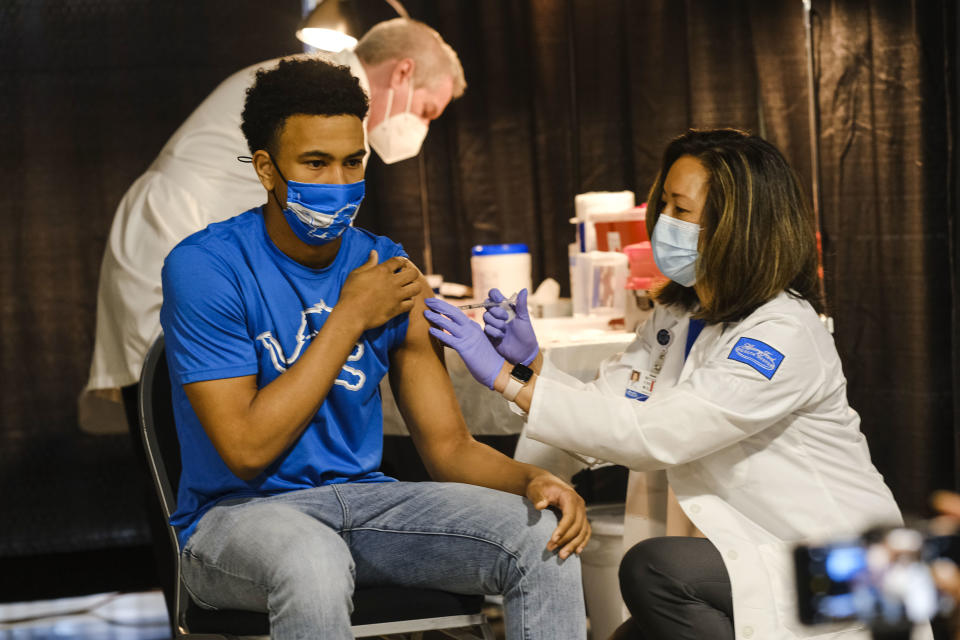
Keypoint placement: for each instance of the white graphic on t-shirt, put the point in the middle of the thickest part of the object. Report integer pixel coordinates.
(281, 362)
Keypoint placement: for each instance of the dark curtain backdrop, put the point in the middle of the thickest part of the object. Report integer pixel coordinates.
(887, 149)
(582, 95)
(564, 96)
(89, 93)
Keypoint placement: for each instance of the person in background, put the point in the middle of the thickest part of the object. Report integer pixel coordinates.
(410, 75)
(945, 572)
(279, 325)
(733, 386)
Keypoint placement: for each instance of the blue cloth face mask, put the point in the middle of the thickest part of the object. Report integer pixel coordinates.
(675, 249)
(319, 213)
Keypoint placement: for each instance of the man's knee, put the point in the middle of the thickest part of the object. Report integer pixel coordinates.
(524, 532)
(537, 526)
(280, 547)
(531, 535)
(502, 516)
(314, 564)
(527, 530)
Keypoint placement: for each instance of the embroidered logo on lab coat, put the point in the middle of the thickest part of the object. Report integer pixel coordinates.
(758, 355)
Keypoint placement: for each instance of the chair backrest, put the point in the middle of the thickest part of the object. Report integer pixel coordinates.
(157, 428)
(159, 433)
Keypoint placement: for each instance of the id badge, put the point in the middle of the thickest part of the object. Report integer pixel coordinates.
(641, 382)
(640, 385)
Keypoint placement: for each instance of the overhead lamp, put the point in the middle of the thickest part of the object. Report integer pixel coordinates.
(326, 27)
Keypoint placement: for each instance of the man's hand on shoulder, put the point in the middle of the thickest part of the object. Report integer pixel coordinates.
(573, 530)
(375, 293)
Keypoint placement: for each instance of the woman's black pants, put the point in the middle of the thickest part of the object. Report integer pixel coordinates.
(678, 589)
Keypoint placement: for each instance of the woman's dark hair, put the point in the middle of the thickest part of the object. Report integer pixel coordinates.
(758, 232)
(307, 86)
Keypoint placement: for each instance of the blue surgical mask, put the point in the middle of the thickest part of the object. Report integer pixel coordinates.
(675, 249)
(319, 213)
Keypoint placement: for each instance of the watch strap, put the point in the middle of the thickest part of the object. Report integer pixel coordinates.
(512, 389)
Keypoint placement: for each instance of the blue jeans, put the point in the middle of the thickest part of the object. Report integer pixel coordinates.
(299, 555)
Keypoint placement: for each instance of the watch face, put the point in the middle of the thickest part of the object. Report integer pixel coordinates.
(521, 373)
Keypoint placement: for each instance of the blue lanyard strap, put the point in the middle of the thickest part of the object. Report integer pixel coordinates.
(696, 326)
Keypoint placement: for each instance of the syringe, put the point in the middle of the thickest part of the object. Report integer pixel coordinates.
(509, 304)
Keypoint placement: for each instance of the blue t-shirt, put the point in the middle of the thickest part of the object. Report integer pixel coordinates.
(235, 305)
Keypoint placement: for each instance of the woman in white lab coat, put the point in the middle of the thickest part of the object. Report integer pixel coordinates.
(733, 386)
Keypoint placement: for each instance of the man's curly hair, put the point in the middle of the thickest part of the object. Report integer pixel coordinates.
(300, 86)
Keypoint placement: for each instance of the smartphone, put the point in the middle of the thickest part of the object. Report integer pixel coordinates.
(882, 578)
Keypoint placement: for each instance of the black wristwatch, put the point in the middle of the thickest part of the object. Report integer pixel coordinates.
(519, 376)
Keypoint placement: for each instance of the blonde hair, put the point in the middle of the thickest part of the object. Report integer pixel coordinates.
(759, 237)
(405, 38)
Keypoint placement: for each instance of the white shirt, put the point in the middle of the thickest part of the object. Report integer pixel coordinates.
(757, 463)
(194, 181)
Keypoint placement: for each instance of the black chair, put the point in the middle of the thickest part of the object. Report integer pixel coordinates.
(377, 611)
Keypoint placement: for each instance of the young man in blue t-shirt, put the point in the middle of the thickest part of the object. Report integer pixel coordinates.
(280, 324)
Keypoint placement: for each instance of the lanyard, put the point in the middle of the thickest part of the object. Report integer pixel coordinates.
(696, 326)
(641, 383)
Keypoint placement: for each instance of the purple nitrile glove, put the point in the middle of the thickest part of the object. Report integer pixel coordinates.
(513, 339)
(463, 335)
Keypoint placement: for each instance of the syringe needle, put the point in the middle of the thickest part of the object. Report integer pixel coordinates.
(488, 304)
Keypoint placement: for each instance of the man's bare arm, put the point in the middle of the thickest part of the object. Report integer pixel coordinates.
(429, 406)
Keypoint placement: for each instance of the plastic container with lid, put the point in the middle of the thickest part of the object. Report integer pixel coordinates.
(597, 281)
(589, 205)
(643, 276)
(643, 268)
(504, 266)
(617, 230)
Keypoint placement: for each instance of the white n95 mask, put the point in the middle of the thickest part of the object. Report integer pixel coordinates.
(675, 249)
(400, 136)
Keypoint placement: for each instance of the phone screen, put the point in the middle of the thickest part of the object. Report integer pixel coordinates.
(883, 578)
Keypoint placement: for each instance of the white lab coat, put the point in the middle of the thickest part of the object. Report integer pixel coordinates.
(757, 464)
(194, 181)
